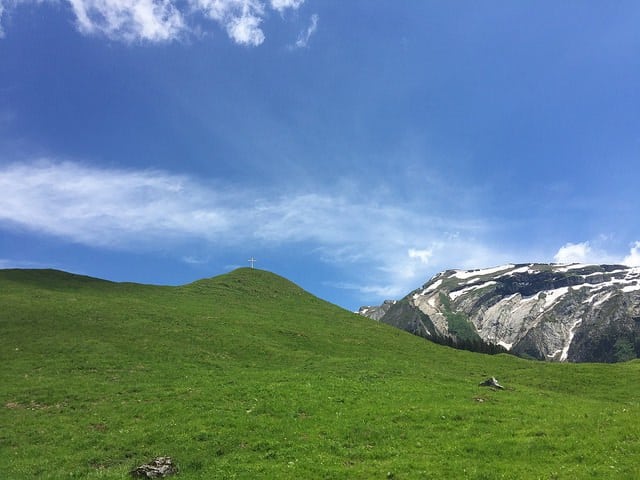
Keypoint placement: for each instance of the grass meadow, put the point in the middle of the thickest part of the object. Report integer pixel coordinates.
(246, 376)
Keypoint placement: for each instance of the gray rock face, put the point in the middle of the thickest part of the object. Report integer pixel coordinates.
(159, 467)
(577, 313)
(376, 313)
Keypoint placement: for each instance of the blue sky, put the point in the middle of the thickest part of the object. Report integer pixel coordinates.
(356, 148)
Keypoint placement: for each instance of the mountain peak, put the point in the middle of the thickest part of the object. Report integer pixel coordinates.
(562, 312)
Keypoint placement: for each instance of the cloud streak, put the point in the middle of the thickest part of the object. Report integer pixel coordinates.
(116, 208)
(2, 8)
(303, 38)
(151, 210)
(168, 20)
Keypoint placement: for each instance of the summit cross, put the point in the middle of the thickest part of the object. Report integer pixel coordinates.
(252, 261)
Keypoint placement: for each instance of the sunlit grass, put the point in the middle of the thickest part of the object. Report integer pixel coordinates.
(247, 376)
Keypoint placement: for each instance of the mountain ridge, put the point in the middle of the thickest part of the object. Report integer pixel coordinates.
(560, 312)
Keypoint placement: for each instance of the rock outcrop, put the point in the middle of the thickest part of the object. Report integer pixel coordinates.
(576, 313)
(376, 312)
(159, 467)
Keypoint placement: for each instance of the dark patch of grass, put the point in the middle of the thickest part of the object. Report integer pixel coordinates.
(458, 324)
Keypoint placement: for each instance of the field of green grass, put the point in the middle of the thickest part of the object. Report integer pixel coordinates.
(247, 376)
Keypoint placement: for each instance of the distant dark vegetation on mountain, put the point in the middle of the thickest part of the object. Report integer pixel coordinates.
(574, 313)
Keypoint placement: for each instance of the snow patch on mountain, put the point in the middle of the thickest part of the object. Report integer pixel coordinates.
(464, 274)
(459, 293)
(431, 287)
(572, 332)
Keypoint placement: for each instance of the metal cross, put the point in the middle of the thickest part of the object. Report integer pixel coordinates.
(252, 261)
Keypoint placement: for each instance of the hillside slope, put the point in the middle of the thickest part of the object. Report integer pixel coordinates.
(245, 375)
(577, 313)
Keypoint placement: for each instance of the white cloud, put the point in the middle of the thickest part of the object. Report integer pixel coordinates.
(109, 207)
(422, 255)
(129, 20)
(633, 259)
(585, 252)
(574, 253)
(246, 30)
(281, 5)
(241, 18)
(303, 38)
(168, 20)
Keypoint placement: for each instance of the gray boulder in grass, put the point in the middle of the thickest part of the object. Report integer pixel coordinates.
(159, 467)
(491, 382)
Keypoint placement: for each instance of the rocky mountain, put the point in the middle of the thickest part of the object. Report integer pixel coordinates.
(575, 313)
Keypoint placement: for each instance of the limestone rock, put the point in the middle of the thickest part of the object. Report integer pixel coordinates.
(491, 382)
(159, 467)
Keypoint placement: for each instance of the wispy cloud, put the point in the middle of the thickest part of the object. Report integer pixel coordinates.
(150, 210)
(1, 15)
(168, 20)
(12, 263)
(148, 20)
(195, 260)
(282, 5)
(303, 38)
(241, 18)
(108, 207)
(422, 255)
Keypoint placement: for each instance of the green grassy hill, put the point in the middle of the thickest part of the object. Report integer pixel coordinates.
(247, 376)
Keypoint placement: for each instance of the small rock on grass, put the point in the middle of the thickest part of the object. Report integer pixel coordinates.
(159, 467)
(491, 382)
